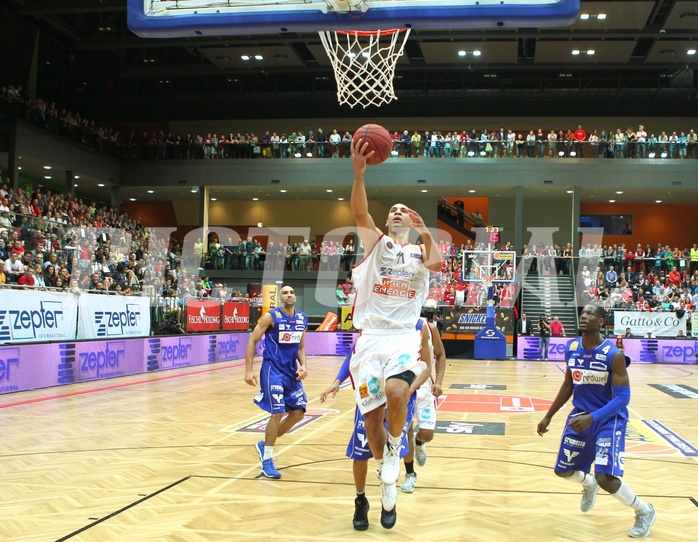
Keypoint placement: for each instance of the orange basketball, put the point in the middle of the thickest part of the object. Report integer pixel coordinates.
(379, 141)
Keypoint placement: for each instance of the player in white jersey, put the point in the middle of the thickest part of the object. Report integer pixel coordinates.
(392, 282)
(425, 412)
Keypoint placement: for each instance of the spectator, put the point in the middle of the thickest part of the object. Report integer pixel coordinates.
(628, 333)
(341, 296)
(3, 277)
(13, 268)
(27, 279)
(524, 326)
(544, 337)
(556, 328)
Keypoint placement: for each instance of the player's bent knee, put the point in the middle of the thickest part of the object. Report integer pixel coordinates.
(407, 376)
(607, 482)
(426, 435)
(296, 414)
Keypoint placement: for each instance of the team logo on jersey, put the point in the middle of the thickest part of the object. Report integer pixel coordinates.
(575, 443)
(404, 359)
(601, 456)
(374, 386)
(426, 414)
(570, 455)
(600, 357)
(389, 244)
(363, 391)
(585, 376)
(289, 337)
(574, 345)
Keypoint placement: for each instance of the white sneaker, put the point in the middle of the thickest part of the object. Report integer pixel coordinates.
(589, 496)
(410, 483)
(420, 452)
(391, 465)
(388, 496)
(643, 523)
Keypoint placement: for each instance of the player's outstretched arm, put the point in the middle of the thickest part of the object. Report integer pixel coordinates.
(367, 230)
(563, 395)
(262, 325)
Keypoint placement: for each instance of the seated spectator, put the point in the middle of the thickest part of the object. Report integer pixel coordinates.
(3, 277)
(27, 279)
(13, 268)
(628, 333)
(680, 334)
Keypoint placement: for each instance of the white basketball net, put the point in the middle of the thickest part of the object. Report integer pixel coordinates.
(364, 64)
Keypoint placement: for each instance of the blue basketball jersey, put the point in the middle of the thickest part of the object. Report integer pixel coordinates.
(282, 340)
(591, 375)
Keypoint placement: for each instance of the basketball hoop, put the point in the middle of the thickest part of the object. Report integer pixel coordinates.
(364, 63)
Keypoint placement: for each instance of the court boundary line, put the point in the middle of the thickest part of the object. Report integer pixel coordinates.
(114, 386)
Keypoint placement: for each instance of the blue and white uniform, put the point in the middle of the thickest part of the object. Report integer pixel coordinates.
(358, 443)
(280, 391)
(603, 442)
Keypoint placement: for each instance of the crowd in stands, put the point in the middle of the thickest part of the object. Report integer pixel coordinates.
(51, 241)
(460, 143)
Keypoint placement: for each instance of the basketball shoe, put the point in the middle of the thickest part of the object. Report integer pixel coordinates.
(361, 508)
(391, 464)
(643, 523)
(388, 501)
(589, 496)
(269, 469)
(410, 483)
(420, 452)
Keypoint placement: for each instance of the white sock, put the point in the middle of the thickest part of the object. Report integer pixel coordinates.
(268, 452)
(394, 442)
(583, 478)
(628, 498)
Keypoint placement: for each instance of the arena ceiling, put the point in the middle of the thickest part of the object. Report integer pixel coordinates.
(90, 61)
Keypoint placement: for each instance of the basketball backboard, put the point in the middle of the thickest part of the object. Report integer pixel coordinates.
(191, 18)
(489, 266)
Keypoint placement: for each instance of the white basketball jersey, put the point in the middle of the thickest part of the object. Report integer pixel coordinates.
(391, 286)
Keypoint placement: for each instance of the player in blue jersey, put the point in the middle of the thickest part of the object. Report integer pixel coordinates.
(358, 449)
(597, 381)
(283, 367)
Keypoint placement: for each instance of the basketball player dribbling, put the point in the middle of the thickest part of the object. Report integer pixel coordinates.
(392, 282)
(597, 381)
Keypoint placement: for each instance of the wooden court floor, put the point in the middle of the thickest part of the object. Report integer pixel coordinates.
(170, 457)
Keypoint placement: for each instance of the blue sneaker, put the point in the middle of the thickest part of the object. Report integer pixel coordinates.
(260, 449)
(269, 469)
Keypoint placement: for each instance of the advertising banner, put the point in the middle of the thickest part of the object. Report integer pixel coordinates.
(26, 367)
(236, 316)
(270, 298)
(175, 351)
(639, 350)
(95, 360)
(347, 323)
(694, 323)
(105, 316)
(203, 315)
(34, 316)
(660, 324)
(472, 320)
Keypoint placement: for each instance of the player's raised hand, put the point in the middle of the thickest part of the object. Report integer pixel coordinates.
(359, 154)
(332, 390)
(417, 222)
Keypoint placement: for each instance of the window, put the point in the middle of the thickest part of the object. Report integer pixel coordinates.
(611, 224)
